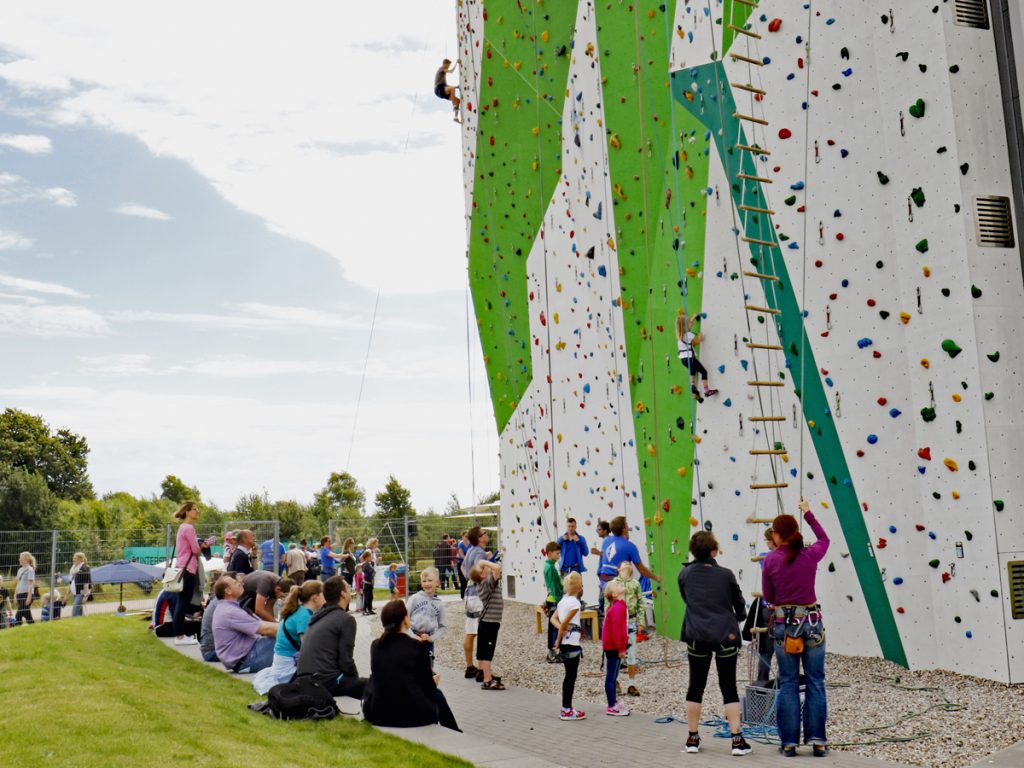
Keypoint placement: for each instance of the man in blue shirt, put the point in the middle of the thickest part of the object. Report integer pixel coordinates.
(267, 555)
(574, 549)
(618, 549)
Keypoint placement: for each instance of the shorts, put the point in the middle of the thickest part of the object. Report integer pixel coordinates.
(472, 626)
(440, 90)
(486, 639)
(693, 365)
(631, 659)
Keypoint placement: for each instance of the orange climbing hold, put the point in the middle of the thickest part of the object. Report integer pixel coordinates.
(951, 465)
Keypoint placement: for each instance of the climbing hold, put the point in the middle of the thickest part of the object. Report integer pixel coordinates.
(883, 178)
(925, 363)
(831, 567)
(903, 55)
(975, 292)
(844, 52)
(951, 348)
(951, 465)
(922, 246)
(917, 109)
(964, 167)
(994, 357)
(971, 465)
(898, 580)
(925, 453)
(894, 412)
(775, 25)
(872, 439)
(999, 504)
(904, 317)
(865, 342)
(917, 195)
(882, 544)
(994, 593)
(928, 414)
(933, 563)
(785, 133)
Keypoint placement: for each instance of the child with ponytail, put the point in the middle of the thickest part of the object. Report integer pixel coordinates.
(299, 606)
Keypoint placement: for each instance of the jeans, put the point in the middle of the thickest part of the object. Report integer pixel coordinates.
(24, 613)
(571, 662)
(611, 674)
(815, 706)
(188, 589)
(260, 656)
(77, 608)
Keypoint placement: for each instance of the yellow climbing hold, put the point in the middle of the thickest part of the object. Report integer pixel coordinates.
(517, 66)
(681, 471)
(615, 142)
(955, 494)
(545, 36)
(536, 130)
(651, 450)
(658, 519)
(640, 407)
(927, 271)
(555, 317)
(904, 317)
(697, 439)
(956, 397)
(617, 189)
(565, 485)
(611, 244)
(558, 437)
(694, 522)
(951, 465)
(925, 363)
(810, 425)
(825, 505)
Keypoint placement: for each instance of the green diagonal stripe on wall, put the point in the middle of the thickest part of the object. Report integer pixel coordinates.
(717, 117)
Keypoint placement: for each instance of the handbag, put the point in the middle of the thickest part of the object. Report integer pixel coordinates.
(172, 579)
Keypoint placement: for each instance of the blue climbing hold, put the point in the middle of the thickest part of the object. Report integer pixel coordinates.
(836, 213)
(872, 439)
(847, 72)
(932, 536)
(894, 412)
(844, 152)
(798, 186)
(898, 580)
(829, 22)
(969, 634)
(921, 470)
(845, 283)
(892, 529)
(602, 271)
(727, 402)
(721, 369)
(865, 342)
(586, 389)
(828, 380)
(793, 246)
(790, 76)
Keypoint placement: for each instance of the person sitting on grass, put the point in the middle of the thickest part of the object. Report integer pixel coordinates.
(393, 581)
(427, 618)
(486, 575)
(51, 606)
(327, 648)
(402, 691)
(262, 591)
(243, 642)
(688, 341)
(298, 608)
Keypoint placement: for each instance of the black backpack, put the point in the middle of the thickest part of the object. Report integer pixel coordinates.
(301, 699)
(313, 568)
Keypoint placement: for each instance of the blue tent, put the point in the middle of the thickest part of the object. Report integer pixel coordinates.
(124, 572)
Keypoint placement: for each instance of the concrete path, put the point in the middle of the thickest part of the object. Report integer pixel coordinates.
(519, 728)
(1008, 758)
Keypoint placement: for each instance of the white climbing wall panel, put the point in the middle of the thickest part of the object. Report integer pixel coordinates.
(933, 438)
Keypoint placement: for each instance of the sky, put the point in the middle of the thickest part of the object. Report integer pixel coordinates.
(199, 207)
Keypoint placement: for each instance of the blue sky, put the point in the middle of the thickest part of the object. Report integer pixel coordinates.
(191, 246)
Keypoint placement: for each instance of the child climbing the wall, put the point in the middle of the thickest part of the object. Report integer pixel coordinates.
(688, 341)
(444, 91)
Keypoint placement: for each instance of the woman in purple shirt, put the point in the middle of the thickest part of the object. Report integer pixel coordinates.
(788, 585)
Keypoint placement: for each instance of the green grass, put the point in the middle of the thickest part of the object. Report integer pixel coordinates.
(100, 691)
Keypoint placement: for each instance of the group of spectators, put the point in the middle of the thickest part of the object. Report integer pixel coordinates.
(26, 592)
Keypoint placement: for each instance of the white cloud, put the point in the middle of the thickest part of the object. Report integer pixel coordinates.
(16, 189)
(33, 76)
(246, 316)
(118, 365)
(35, 286)
(141, 211)
(50, 320)
(14, 241)
(33, 144)
(260, 128)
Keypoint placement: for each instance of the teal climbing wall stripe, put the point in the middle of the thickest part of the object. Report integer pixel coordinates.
(715, 111)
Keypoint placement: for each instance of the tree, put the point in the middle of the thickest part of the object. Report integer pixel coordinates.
(174, 489)
(292, 516)
(26, 503)
(60, 458)
(340, 499)
(393, 503)
(490, 498)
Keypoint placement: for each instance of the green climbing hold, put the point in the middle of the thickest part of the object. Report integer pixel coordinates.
(999, 504)
(989, 395)
(883, 178)
(917, 195)
(959, 427)
(790, 200)
(933, 563)
(793, 350)
(778, 445)
(917, 109)
(833, 480)
(928, 414)
(951, 348)
(810, 475)
(975, 292)
(831, 567)
(994, 357)
(922, 246)
(994, 593)
(968, 535)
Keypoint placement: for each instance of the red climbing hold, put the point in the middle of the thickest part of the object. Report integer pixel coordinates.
(899, 609)
(876, 354)
(871, 302)
(800, 63)
(665, 505)
(945, 577)
(925, 453)
(543, 319)
(775, 25)
(833, 296)
(882, 544)
(840, 236)
(860, 453)
(785, 133)
(919, 527)
(492, 141)
(818, 263)
(831, 142)
(882, 401)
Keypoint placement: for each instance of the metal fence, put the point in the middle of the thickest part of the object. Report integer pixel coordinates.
(415, 543)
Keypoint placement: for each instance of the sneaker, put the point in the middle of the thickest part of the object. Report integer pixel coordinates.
(572, 714)
(471, 672)
(693, 744)
(710, 392)
(187, 640)
(740, 746)
(820, 750)
(696, 394)
(617, 711)
(788, 751)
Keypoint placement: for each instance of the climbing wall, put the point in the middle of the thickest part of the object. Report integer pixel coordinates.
(805, 177)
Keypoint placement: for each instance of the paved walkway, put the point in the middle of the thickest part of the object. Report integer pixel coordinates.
(1008, 758)
(519, 728)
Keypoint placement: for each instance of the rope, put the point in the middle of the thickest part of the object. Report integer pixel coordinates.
(469, 387)
(803, 289)
(362, 381)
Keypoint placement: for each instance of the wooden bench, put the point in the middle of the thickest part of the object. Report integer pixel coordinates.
(587, 614)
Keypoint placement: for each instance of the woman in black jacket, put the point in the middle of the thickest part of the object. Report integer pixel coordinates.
(402, 691)
(714, 607)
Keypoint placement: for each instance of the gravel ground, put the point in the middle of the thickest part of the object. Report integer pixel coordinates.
(862, 693)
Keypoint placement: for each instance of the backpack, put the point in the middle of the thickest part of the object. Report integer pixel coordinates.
(301, 699)
(313, 568)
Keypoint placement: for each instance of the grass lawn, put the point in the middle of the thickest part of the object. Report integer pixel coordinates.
(100, 691)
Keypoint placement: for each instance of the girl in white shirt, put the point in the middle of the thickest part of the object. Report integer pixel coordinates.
(24, 588)
(688, 340)
(566, 619)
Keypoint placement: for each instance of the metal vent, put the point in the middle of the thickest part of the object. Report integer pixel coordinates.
(971, 13)
(1016, 568)
(993, 221)
(510, 583)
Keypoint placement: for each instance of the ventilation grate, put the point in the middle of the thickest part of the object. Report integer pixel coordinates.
(993, 221)
(1016, 568)
(971, 13)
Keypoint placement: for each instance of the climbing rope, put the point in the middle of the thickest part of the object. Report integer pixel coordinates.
(362, 382)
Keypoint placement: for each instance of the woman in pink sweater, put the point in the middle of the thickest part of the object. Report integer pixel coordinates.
(186, 554)
(615, 642)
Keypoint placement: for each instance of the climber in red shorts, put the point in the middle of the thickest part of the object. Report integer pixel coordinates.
(444, 91)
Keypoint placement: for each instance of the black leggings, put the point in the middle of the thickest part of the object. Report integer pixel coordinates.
(188, 589)
(462, 581)
(368, 597)
(694, 366)
(572, 666)
(700, 664)
(24, 613)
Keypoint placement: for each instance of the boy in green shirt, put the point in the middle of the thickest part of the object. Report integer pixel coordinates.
(553, 581)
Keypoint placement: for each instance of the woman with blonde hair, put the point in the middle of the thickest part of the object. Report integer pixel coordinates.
(80, 583)
(299, 607)
(24, 588)
(566, 620)
(688, 341)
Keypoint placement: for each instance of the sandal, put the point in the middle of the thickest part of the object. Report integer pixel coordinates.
(494, 684)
